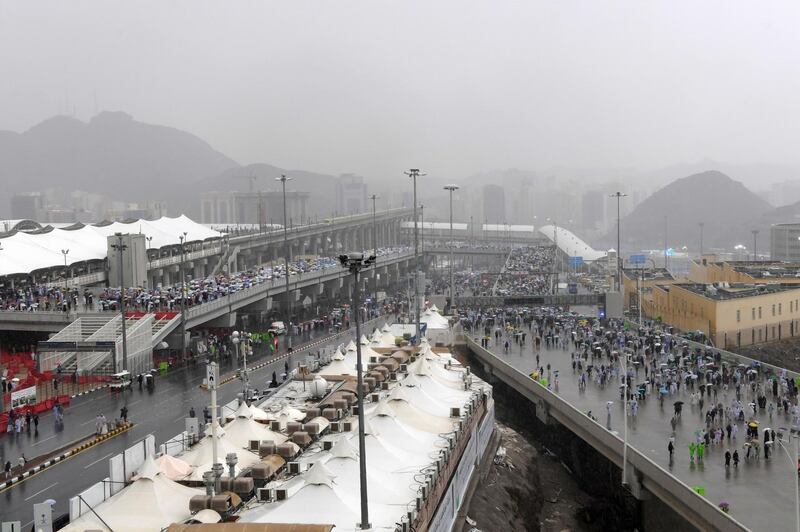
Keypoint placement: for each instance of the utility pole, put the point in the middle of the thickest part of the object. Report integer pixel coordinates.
(355, 262)
(374, 251)
(451, 189)
(183, 296)
(666, 257)
(755, 244)
(120, 247)
(619, 196)
(283, 179)
(701, 224)
(414, 173)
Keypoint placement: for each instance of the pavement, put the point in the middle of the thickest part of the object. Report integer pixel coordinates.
(761, 493)
(160, 412)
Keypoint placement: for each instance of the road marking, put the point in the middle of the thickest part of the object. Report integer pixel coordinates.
(99, 460)
(42, 441)
(133, 403)
(87, 422)
(40, 492)
(26, 525)
(179, 419)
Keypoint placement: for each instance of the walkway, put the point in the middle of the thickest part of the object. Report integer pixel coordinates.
(761, 493)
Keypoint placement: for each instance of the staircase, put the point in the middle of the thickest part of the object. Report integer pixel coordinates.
(231, 252)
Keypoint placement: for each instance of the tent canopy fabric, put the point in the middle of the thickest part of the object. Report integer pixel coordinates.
(571, 244)
(24, 253)
(151, 502)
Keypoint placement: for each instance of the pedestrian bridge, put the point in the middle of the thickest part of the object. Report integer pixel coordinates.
(92, 342)
(754, 495)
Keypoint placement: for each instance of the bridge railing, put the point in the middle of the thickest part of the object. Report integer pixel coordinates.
(669, 488)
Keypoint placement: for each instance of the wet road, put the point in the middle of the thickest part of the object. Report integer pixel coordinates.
(760, 492)
(159, 412)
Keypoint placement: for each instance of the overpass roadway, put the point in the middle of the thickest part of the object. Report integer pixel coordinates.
(388, 266)
(758, 492)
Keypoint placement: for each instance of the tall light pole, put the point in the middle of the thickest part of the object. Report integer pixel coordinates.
(182, 238)
(120, 247)
(666, 257)
(65, 252)
(619, 196)
(702, 225)
(414, 173)
(755, 244)
(374, 197)
(624, 362)
(556, 256)
(355, 262)
(451, 189)
(283, 179)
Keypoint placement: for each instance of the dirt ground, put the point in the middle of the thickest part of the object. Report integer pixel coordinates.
(527, 489)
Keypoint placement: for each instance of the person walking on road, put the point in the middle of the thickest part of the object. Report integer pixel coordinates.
(36, 424)
(736, 458)
(191, 412)
(671, 449)
(123, 413)
(727, 458)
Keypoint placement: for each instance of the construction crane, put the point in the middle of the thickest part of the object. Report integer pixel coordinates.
(261, 214)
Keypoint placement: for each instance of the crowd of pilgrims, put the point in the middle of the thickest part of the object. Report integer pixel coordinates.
(650, 364)
(163, 298)
(526, 271)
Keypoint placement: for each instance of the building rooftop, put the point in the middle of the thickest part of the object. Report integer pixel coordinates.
(767, 269)
(658, 274)
(725, 291)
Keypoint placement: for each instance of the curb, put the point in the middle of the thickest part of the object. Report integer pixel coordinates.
(89, 391)
(63, 456)
(233, 377)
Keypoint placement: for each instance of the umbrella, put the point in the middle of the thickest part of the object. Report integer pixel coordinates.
(753, 424)
(664, 391)
(678, 403)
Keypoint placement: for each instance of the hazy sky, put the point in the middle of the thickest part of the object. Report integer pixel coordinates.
(452, 86)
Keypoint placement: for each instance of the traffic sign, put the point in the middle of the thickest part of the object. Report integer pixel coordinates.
(212, 376)
(576, 261)
(637, 259)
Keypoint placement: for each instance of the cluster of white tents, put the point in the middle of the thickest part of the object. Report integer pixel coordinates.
(404, 429)
(23, 253)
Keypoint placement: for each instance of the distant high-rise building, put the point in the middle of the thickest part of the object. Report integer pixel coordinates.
(27, 206)
(494, 204)
(593, 209)
(351, 195)
(521, 205)
(245, 207)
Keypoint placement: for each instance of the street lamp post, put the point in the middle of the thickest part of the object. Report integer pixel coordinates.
(374, 250)
(619, 196)
(355, 262)
(624, 362)
(702, 225)
(182, 238)
(414, 173)
(451, 189)
(241, 341)
(755, 244)
(120, 247)
(283, 179)
(65, 252)
(556, 257)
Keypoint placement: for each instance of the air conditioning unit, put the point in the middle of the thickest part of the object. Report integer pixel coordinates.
(373, 360)
(347, 426)
(327, 445)
(281, 494)
(294, 468)
(403, 368)
(375, 397)
(275, 426)
(384, 385)
(411, 514)
(336, 426)
(392, 376)
(455, 412)
(253, 445)
(355, 410)
(265, 494)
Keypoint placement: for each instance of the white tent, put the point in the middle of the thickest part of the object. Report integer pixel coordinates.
(201, 455)
(240, 431)
(173, 468)
(24, 253)
(151, 502)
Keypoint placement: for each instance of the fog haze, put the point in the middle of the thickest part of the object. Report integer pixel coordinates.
(454, 87)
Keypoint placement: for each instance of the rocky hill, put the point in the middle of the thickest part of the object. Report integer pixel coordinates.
(725, 207)
(112, 154)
